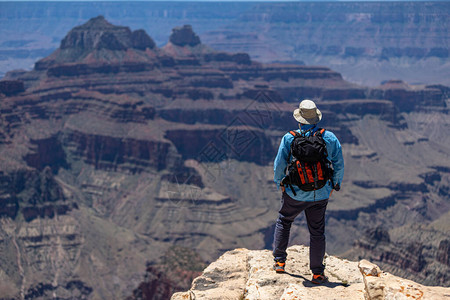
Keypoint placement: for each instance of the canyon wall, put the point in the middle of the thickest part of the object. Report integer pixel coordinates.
(114, 150)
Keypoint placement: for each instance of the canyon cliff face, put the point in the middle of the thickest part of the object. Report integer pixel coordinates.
(113, 150)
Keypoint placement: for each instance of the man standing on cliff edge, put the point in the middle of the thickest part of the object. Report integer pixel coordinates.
(295, 200)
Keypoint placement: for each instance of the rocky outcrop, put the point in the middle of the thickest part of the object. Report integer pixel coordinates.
(33, 194)
(93, 39)
(48, 153)
(224, 279)
(382, 285)
(184, 36)
(100, 34)
(185, 46)
(141, 40)
(245, 274)
(94, 35)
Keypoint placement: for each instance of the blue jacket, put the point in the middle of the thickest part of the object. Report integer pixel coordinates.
(334, 155)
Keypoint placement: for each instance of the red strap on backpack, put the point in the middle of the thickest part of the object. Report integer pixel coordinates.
(321, 131)
(294, 133)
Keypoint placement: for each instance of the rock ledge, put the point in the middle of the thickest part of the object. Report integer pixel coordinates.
(246, 274)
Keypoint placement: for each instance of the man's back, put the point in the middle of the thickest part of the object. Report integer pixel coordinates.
(334, 156)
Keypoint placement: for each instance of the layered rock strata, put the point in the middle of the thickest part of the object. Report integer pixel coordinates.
(141, 147)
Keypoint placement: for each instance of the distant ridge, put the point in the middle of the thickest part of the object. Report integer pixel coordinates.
(244, 27)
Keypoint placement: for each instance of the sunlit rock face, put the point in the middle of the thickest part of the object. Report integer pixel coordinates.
(249, 274)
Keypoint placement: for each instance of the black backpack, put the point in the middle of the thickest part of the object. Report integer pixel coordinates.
(310, 169)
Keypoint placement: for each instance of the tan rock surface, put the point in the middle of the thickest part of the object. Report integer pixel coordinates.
(246, 274)
(223, 279)
(381, 285)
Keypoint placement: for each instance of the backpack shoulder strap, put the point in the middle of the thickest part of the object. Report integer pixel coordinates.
(320, 130)
(295, 134)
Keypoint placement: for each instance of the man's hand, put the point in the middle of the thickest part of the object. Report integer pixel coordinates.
(337, 187)
(283, 188)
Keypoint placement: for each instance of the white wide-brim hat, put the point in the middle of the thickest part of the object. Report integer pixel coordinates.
(307, 113)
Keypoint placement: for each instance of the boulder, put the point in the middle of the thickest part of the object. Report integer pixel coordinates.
(184, 36)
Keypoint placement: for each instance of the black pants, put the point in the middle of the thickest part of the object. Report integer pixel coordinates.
(315, 217)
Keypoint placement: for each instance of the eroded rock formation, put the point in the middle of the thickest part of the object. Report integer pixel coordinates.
(116, 149)
(246, 274)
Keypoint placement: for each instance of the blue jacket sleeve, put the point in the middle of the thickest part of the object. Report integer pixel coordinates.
(335, 156)
(280, 163)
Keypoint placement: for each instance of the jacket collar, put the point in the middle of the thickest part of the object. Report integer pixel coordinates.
(307, 127)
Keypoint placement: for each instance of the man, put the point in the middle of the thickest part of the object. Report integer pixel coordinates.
(314, 203)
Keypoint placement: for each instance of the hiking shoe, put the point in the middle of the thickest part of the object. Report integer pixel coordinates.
(319, 279)
(279, 266)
